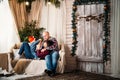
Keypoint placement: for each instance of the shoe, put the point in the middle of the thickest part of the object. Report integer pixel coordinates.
(46, 71)
(49, 72)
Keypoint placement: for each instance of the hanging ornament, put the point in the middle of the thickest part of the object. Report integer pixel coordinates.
(74, 30)
(105, 7)
(104, 46)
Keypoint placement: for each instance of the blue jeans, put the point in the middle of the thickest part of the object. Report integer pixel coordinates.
(29, 50)
(51, 60)
(26, 49)
(33, 48)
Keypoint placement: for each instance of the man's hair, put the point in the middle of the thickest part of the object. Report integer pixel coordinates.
(46, 32)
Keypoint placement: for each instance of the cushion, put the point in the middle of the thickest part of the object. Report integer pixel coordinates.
(15, 53)
(61, 62)
(4, 61)
(21, 65)
(13, 63)
(17, 46)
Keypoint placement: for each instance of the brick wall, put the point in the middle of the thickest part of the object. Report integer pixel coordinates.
(71, 61)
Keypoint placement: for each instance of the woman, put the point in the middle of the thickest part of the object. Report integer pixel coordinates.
(41, 54)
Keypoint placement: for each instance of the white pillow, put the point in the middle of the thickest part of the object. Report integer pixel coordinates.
(16, 55)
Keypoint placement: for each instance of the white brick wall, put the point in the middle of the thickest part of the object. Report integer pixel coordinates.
(68, 21)
(71, 61)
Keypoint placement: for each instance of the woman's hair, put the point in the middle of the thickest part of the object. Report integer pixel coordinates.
(49, 42)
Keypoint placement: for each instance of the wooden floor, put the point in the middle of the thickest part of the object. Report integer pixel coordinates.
(76, 75)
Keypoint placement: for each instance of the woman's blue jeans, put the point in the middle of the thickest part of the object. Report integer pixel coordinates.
(29, 50)
(26, 49)
(51, 60)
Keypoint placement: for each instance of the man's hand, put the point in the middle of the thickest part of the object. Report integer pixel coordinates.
(43, 50)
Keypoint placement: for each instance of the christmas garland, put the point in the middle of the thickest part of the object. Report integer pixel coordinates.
(55, 2)
(28, 4)
(106, 26)
(20, 1)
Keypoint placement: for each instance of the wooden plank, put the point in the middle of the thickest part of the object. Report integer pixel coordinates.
(100, 67)
(93, 60)
(68, 26)
(84, 66)
(88, 67)
(94, 67)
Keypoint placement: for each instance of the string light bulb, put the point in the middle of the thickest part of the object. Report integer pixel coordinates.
(27, 3)
(49, 2)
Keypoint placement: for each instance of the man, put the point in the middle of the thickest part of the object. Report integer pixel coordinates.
(42, 55)
(52, 58)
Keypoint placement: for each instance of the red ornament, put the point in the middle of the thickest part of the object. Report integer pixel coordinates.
(31, 38)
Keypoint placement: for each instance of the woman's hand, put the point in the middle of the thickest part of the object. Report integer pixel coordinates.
(39, 45)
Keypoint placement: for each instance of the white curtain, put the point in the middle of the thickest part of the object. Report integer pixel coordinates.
(115, 36)
(54, 20)
(8, 29)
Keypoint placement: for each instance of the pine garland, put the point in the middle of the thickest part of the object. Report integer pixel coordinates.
(28, 7)
(106, 29)
(106, 26)
(74, 27)
(20, 1)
